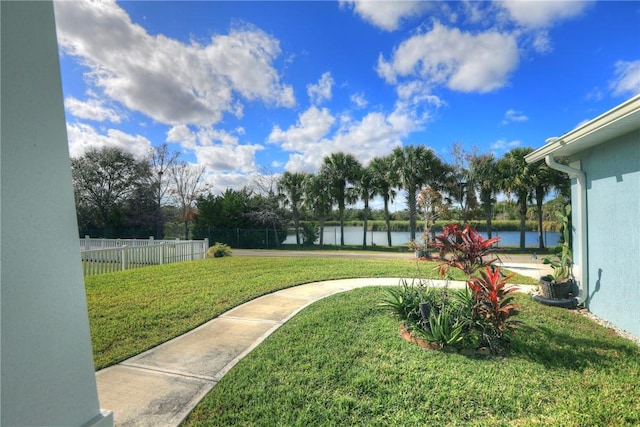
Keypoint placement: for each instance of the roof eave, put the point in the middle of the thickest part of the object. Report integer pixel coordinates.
(626, 116)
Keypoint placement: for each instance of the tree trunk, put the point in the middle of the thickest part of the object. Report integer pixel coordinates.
(342, 227)
(487, 215)
(321, 227)
(523, 221)
(364, 227)
(539, 197)
(411, 203)
(387, 219)
(296, 224)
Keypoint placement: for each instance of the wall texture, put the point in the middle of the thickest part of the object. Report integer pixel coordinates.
(613, 201)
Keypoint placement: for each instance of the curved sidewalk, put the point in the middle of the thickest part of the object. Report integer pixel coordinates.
(161, 386)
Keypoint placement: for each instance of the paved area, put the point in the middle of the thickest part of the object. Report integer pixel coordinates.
(161, 386)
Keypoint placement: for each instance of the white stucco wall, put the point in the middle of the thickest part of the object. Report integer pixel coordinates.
(613, 201)
(46, 367)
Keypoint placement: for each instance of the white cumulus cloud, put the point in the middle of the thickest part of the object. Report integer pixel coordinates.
(461, 61)
(218, 150)
(170, 81)
(320, 92)
(386, 15)
(530, 13)
(514, 116)
(626, 80)
(92, 109)
(83, 137)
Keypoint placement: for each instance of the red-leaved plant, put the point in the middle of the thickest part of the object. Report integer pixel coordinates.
(464, 249)
(493, 307)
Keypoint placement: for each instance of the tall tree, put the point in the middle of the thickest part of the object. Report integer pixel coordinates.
(365, 191)
(318, 200)
(516, 179)
(544, 180)
(161, 160)
(291, 185)
(185, 189)
(457, 181)
(384, 181)
(416, 166)
(341, 170)
(483, 176)
(103, 182)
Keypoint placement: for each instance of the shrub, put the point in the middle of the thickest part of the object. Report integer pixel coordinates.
(219, 250)
(310, 233)
(493, 307)
(481, 315)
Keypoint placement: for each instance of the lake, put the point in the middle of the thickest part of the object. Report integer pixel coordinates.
(353, 236)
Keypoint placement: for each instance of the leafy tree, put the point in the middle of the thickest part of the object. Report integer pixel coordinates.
(516, 179)
(341, 170)
(416, 166)
(104, 182)
(291, 185)
(221, 218)
(383, 183)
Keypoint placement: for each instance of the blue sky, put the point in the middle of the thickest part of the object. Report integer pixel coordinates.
(243, 88)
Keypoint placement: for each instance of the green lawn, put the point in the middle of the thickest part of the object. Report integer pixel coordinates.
(341, 362)
(132, 311)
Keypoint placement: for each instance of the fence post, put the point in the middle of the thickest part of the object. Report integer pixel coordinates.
(125, 257)
(205, 248)
(87, 242)
(162, 253)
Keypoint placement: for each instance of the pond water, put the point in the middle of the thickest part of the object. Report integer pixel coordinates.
(353, 236)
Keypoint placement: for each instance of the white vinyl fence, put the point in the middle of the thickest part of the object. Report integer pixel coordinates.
(107, 255)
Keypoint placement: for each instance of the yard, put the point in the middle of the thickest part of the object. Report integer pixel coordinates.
(341, 361)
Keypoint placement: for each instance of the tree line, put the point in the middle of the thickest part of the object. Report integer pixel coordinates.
(118, 196)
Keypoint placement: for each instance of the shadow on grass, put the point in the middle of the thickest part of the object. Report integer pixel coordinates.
(569, 349)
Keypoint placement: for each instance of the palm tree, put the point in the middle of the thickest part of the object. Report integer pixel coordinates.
(516, 179)
(365, 191)
(545, 179)
(341, 170)
(291, 186)
(318, 200)
(383, 183)
(416, 166)
(482, 177)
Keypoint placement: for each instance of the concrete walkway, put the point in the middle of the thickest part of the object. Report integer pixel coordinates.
(161, 386)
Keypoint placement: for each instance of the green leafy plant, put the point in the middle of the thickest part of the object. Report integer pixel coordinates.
(444, 327)
(562, 261)
(310, 232)
(219, 250)
(404, 301)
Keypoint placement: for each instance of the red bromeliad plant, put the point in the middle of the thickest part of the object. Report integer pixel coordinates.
(464, 249)
(493, 308)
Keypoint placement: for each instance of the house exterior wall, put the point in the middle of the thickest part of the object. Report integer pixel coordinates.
(613, 220)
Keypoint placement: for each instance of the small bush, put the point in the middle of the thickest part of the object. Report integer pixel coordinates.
(219, 250)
